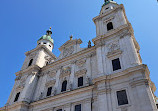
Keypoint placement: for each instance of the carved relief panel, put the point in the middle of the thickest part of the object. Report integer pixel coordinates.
(68, 51)
(80, 63)
(113, 49)
(22, 82)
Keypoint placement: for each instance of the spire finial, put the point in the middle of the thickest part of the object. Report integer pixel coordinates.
(107, 1)
(49, 32)
(71, 37)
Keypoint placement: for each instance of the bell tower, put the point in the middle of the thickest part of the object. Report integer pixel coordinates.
(27, 77)
(115, 38)
(42, 54)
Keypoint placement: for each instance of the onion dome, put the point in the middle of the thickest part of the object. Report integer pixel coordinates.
(107, 2)
(47, 36)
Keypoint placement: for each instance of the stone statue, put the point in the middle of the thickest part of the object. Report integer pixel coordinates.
(54, 91)
(87, 81)
(70, 86)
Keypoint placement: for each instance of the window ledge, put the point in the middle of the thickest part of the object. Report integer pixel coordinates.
(123, 106)
(114, 53)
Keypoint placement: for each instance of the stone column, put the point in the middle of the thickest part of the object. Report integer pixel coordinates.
(87, 105)
(102, 97)
(57, 84)
(99, 60)
(102, 101)
(67, 107)
(72, 76)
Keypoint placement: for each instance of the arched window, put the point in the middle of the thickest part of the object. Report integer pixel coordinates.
(17, 97)
(30, 63)
(49, 91)
(64, 86)
(110, 26)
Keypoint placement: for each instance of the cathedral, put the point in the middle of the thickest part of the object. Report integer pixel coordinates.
(108, 76)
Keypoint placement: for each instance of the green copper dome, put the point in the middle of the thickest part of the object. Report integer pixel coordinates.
(106, 2)
(47, 36)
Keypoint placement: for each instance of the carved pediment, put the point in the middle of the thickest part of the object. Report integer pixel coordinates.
(114, 53)
(69, 47)
(50, 83)
(113, 49)
(113, 46)
(108, 19)
(81, 72)
(65, 72)
(70, 43)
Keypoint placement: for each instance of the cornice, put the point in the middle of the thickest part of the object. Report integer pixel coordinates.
(142, 68)
(114, 32)
(16, 105)
(86, 52)
(105, 14)
(41, 47)
(139, 82)
(31, 68)
(63, 95)
(3, 108)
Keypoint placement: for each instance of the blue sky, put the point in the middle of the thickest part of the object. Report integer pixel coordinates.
(23, 22)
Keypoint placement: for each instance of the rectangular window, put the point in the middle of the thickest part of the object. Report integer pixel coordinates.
(78, 107)
(122, 97)
(17, 97)
(80, 81)
(157, 106)
(116, 64)
(49, 91)
(59, 110)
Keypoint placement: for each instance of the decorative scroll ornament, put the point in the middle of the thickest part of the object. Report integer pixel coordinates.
(87, 81)
(113, 49)
(68, 51)
(81, 62)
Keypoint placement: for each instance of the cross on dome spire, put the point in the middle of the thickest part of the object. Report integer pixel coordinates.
(107, 0)
(49, 32)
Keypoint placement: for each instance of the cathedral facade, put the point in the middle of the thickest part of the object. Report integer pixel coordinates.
(108, 76)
